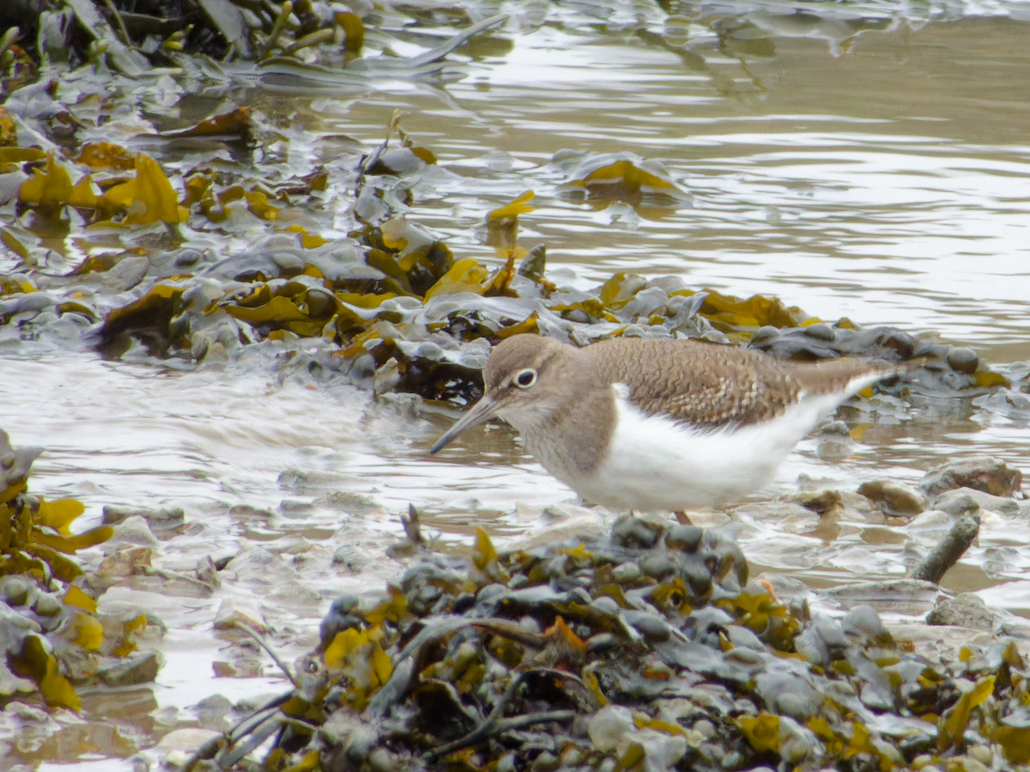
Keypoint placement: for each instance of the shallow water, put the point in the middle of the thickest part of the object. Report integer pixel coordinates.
(889, 184)
(875, 167)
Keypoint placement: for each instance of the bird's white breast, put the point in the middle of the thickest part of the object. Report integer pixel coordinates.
(655, 463)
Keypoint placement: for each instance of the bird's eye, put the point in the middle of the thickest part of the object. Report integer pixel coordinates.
(525, 378)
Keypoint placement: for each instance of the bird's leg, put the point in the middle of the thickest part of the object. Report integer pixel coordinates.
(682, 517)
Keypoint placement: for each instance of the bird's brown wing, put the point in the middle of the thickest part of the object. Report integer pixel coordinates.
(713, 386)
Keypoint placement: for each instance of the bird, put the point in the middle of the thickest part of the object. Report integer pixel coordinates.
(659, 424)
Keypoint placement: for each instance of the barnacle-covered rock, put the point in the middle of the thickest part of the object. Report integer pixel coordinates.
(562, 655)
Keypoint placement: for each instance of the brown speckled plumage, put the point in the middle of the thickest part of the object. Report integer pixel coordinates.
(710, 386)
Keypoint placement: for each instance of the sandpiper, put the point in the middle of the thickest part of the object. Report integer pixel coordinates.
(649, 424)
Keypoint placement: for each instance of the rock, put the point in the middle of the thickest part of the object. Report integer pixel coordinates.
(382, 760)
(165, 519)
(351, 557)
(182, 742)
(609, 725)
(836, 428)
(230, 613)
(820, 331)
(901, 596)
(47, 605)
(893, 498)
(982, 473)
(1016, 628)
(626, 572)
(636, 532)
(965, 610)
(213, 710)
(140, 668)
(244, 667)
(387, 377)
(126, 274)
(862, 622)
(125, 562)
(132, 530)
(15, 590)
(820, 501)
(788, 693)
(657, 566)
(957, 502)
(834, 441)
(963, 360)
(684, 537)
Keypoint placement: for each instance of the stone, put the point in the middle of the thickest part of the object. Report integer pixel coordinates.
(963, 360)
(140, 668)
(820, 501)
(170, 517)
(125, 562)
(636, 533)
(981, 473)
(965, 610)
(957, 502)
(609, 725)
(893, 498)
(132, 530)
(15, 590)
(901, 596)
(229, 614)
(820, 331)
(188, 739)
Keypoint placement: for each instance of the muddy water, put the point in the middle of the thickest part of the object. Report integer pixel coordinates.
(871, 167)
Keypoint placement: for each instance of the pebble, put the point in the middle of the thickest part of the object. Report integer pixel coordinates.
(968, 763)
(230, 613)
(381, 760)
(609, 725)
(140, 668)
(545, 762)
(959, 501)
(965, 610)
(820, 331)
(893, 498)
(981, 473)
(767, 332)
(47, 605)
(982, 754)
(188, 739)
(684, 537)
(838, 428)
(657, 566)
(15, 590)
(212, 710)
(626, 572)
(899, 596)
(635, 532)
(169, 517)
(705, 728)
(132, 530)
(125, 562)
(963, 360)
(820, 501)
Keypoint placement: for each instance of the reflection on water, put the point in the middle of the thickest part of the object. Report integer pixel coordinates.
(853, 163)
